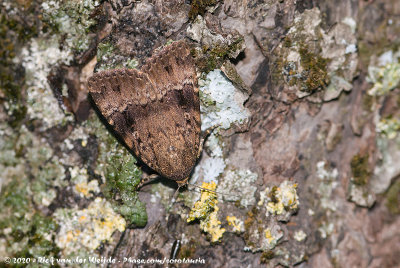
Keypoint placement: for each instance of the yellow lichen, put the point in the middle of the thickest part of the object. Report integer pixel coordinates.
(205, 210)
(269, 236)
(280, 199)
(237, 225)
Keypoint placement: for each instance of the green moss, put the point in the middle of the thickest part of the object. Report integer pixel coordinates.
(287, 42)
(122, 179)
(251, 215)
(315, 68)
(360, 169)
(393, 198)
(267, 256)
(104, 50)
(198, 7)
(121, 174)
(212, 58)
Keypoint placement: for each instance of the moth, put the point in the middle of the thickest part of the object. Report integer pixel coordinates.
(155, 110)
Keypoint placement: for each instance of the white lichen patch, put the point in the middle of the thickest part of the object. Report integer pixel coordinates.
(221, 103)
(82, 186)
(300, 235)
(360, 195)
(387, 168)
(237, 224)
(87, 228)
(38, 58)
(211, 166)
(282, 200)
(328, 182)
(326, 229)
(239, 185)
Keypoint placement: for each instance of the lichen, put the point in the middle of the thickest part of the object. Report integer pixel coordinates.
(300, 235)
(87, 227)
(212, 166)
(82, 185)
(109, 57)
(282, 200)
(206, 211)
(327, 183)
(228, 108)
(215, 48)
(237, 224)
(385, 75)
(71, 19)
(38, 59)
(239, 185)
(271, 239)
(117, 168)
(311, 59)
(388, 127)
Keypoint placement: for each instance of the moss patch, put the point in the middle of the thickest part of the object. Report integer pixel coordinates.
(121, 174)
(211, 58)
(360, 169)
(315, 69)
(198, 7)
(393, 198)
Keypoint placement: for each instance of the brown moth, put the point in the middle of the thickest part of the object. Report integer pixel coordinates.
(156, 110)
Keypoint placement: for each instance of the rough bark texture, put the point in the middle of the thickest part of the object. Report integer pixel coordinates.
(305, 155)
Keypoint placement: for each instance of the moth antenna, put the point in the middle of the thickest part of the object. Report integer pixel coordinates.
(215, 192)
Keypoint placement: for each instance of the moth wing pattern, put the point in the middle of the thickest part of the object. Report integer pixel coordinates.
(155, 110)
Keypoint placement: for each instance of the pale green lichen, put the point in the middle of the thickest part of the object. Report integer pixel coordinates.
(326, 229)
(387, 168)
(109, 58)
(239, 185)
(88, 227)
(389, 127)
(29, 172)
(71, 19)
(206, 211)
(385, 76)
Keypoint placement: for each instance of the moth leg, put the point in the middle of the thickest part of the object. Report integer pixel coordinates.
(204, 136)
(147, 179)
